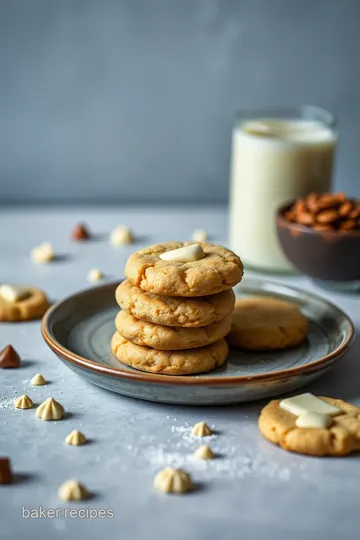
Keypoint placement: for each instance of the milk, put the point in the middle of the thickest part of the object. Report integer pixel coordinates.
(274, 161)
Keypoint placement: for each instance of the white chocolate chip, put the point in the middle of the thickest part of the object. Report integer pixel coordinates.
(199, 235)
(76, 438)
(204, 452)
(312, 419)
(38, 380)
(307, 402)
(173, 481)
(184, 254)
(50, 409)
(23, 402)
(72, 490)
(201, 429)
(43, 253)
(13, 293)
(121, 236)
(94, 275)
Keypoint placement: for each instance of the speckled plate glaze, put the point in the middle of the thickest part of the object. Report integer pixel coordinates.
(79, 328)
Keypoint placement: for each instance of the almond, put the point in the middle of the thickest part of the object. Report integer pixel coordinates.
(345, 209)
(327, 216)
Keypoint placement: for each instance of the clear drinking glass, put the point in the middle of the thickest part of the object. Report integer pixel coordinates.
(278, 154)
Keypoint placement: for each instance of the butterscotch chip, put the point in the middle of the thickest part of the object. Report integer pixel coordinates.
(73, 490)
(327, 216)
(50, 409)
(9, 358)
(23, 402)
(174, 311)
(264, 323)
(6, 476)
(341, 437)
(173, 481)
(182, 362)
(219, 270)
(32, 306)
(161, 337)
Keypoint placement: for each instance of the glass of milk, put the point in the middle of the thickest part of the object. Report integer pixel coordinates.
(277, 155)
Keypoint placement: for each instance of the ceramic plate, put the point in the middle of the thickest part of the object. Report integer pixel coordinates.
(79, 329)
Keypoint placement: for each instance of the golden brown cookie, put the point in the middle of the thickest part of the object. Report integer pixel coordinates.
(32, 306)
(168, 338)
(264, 323)
(175, 310)
(184, 362)
(340, 438)
(219, 270)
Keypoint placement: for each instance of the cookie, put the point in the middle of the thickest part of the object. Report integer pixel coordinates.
(174, 311)
(30, 307)
(263, 323)
(340, 438)
(168, 338)
(184, 362)
(218, 271)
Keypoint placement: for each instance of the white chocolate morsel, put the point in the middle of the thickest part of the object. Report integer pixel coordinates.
(173, 481)
(199, 235)
(76, 438)
(204, 452)
(307, 402)
(13, 293)
(95, 275)
(43, 254)
(313, 419)
(184, 254)
(72, 490)
(23, 402)
(121, 236)
(50, 409)
(38, 380)
(201, 429)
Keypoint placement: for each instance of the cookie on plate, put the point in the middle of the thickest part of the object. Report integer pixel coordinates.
(341, 437)
(219, 270)
(264, 323)
(183, 362)
(21, 303)
(175, 310)
(168, 338)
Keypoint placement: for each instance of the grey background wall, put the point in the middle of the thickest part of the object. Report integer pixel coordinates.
(118, 100)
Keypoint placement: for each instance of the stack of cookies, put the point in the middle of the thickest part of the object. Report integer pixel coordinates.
(176, 305)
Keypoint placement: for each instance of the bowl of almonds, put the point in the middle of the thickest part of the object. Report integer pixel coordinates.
(320, 235)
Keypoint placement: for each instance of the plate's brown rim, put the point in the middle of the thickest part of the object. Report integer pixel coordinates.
(198, 380)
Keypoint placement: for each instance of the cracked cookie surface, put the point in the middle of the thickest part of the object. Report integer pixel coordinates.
(182, 362)
(264, 323)
(218, 271)
(340, 438)
(161, 337)
(31, 307)
(174, 310)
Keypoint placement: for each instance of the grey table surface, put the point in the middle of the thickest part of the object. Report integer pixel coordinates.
(254, 490)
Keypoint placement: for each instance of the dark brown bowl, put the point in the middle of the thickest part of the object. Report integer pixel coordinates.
(330, 257)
